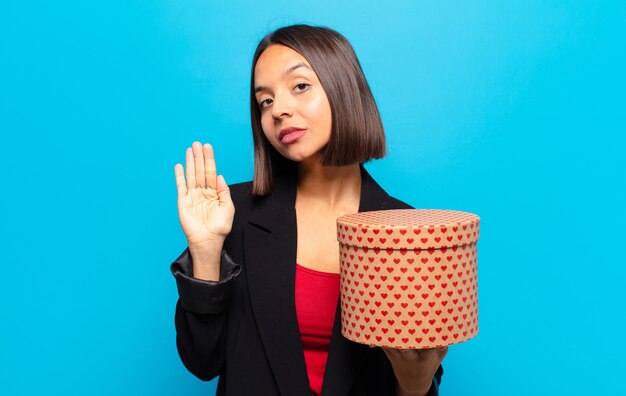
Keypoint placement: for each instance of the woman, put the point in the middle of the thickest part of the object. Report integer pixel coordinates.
(259, 286)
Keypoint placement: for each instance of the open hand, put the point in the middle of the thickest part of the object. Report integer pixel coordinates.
(205, 208)
(415, 368)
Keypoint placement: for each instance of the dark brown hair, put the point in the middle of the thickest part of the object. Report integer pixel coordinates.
(357, 133)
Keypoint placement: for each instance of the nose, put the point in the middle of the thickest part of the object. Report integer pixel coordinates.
(282, 106)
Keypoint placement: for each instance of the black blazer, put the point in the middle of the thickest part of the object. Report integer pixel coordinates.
(244, 328)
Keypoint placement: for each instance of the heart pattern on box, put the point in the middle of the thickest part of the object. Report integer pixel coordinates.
(411, 292)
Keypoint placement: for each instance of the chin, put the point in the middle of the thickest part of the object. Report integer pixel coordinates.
(295, 155)
(300, 154)
(308, 159)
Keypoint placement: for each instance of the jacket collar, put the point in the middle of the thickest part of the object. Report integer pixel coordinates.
(270, 253)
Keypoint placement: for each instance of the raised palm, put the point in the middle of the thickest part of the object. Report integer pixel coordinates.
(205, 208)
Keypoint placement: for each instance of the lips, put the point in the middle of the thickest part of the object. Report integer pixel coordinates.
(286, 131)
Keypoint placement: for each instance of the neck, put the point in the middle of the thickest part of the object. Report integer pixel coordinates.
(331, 186)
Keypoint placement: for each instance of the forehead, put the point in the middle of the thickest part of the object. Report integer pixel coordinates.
(275, 60)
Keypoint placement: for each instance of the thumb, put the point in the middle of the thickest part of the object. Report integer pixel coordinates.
(223, 192)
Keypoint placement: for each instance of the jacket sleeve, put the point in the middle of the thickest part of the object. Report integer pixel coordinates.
(434, 388)
(201, 313)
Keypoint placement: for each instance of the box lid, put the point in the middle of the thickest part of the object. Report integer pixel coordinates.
(409, 229)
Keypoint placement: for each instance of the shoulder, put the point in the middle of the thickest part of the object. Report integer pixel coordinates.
(374, 197)
(241, 191)
(244, 200)
(378, 194)
(241, 194)
(394, 203)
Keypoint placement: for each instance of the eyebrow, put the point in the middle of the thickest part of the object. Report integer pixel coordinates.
(285, 73)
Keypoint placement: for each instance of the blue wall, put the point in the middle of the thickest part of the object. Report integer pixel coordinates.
(519, 104)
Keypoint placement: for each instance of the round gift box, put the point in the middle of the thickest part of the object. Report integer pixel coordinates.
(409, 277)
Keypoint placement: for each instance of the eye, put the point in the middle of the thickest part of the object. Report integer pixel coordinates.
(301, 87)
(264, 103)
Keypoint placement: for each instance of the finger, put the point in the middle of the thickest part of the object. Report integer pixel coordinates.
(222, 189)
(191, 169)
(210, 170)
(180, 180)
(198, 160)
(434, 353)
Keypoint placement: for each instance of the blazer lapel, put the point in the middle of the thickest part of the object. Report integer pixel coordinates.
(270, 241)
(346, 358)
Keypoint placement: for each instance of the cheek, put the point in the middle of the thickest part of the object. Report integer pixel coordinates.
(267, 126)
(320, 107)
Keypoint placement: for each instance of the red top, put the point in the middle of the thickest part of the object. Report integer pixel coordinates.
(317, 294)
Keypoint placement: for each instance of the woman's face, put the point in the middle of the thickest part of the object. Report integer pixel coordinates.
(295, 112)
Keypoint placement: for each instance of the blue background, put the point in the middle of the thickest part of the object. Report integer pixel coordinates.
(517, 104)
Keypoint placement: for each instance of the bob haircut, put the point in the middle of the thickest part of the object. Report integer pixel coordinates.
(357, 133)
